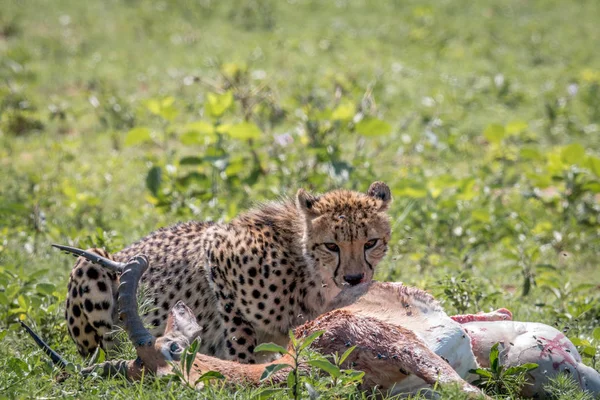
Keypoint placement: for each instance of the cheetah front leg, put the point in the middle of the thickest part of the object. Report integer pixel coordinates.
(240, 338)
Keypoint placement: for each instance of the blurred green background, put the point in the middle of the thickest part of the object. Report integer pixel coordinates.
(119, 117)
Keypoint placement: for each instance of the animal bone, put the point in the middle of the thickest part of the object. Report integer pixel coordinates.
(405, 341)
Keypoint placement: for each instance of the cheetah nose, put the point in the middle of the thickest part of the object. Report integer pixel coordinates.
(354, 279)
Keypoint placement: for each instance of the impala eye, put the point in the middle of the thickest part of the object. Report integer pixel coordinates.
(175, 348)
(371, 243)
(332, 247)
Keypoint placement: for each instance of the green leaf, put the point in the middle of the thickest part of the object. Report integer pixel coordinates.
(244, 131)
(494, 133)
(529, 153)
(208, 376)
(596, 333)
(200, 127)
(291, 379)
(137, 135)
(589, 351)
(217, 104)
(308, 340)
(516, 127)
(344, 111)
(346, 354)
(594, 165)
(191, 160)
(271, 347)
(45, 288)
(573, 154)
(494, 357)
(271, 369)
(3, 334)
(326, 366)
(154, 180)
(354, 376)
(370, 126)
(265, 393)
(23, 302)
(482, 372)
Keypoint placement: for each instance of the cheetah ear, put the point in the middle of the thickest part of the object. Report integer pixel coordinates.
(380, 191)
(305, 203)
(182, 321)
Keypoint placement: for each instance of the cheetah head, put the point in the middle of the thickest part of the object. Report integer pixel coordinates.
(346, 233)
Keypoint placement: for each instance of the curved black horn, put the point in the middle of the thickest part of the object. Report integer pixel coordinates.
(95, 258)
(56, 358)
(128, 310)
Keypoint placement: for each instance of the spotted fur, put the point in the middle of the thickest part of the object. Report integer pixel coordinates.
(248, 281)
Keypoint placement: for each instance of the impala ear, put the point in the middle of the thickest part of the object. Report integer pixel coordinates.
(381, 191)
(305, 202)
(182, 321)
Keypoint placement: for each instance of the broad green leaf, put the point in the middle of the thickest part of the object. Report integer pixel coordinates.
(370, 126)
(3, 334)
(594, 165)
(137, 135)
(596, 333)
(326, 366)
(573, 154)
(271, 369)
(593, 187)
(265, 393)
(45, 288)
(516, 127)
(208, 376)
(217, 104)
(494, 357)
(201, 127)
(346, 354)
(271, 347)
(529, 153)
(4, 300)
(244, 131)
(344, 111)
(308, 341)
(154, 180)
(481, 372)
(354, 376)
(23, 302)
(191, 138)
(589, 351)
(191, 160)
(494, 133)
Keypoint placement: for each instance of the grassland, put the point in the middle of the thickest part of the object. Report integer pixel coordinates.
(119, 117)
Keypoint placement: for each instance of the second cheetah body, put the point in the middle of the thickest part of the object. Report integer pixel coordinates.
(248, 281)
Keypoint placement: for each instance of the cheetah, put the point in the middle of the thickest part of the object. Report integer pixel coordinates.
(248, 281)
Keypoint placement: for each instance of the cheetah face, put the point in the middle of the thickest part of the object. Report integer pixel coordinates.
(346, 233)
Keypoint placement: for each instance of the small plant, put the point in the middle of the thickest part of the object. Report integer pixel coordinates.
(182, 372)
(564, 387)
(498, 380)
(302, 357)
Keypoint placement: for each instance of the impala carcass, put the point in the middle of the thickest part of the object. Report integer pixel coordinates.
(404, 340)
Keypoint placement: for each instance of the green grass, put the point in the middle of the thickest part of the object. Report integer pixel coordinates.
(483, 119)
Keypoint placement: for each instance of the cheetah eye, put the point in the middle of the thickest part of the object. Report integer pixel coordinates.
(332, 247)
(174, 348)
(371, 243)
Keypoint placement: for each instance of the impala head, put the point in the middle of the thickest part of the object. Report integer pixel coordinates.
(346, 233)
(182, 329)
(153, 353)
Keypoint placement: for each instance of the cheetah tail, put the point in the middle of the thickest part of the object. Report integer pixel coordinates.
(95, 258)
(56, 358)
